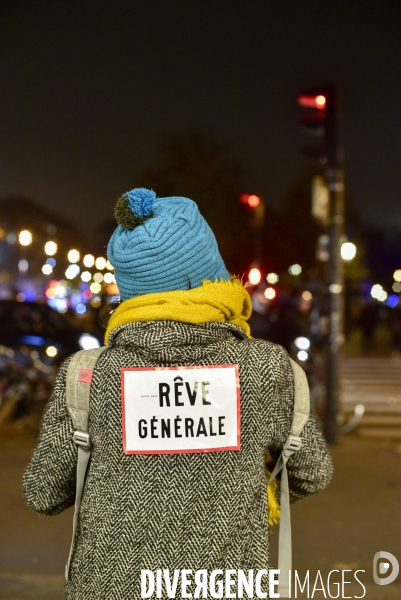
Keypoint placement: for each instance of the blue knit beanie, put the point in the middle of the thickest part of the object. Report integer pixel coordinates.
(162, 244)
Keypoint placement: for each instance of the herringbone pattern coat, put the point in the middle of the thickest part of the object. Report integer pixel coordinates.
(171, 511)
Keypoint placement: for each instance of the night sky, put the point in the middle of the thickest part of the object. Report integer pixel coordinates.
(87, 87)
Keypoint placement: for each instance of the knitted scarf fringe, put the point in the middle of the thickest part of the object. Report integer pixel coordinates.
(272, 502)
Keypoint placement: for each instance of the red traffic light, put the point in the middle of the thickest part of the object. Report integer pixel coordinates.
(320, 119)
(250, 200)
(312, 101)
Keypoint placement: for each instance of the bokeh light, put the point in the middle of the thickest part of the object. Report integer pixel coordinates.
(302, 343)
(348, 251)
(393, 300)
(378, 293)
(295, 270)
(23, 265)
(270, 293)
(73, 256)
(95, 288)
(255, 276)
(50, 248)
(47, 269)
(72, 271)
(89, 260)
(25, 237)
(100, 263)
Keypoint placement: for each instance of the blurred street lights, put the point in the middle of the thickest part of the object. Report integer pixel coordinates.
(251, 200)
(378, 292)
(50, 248)
(47, 269)
(270, 293)
(100, 263)
(95, 288)
(348, 251)
(25, 238)
(255, 276)
(72, 271)
(89, 260)
(11, 238)
(23, 266)
(295, 270)
(272, 278)
(73, 256)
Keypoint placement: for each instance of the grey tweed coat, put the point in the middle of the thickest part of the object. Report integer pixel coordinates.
(171, 511)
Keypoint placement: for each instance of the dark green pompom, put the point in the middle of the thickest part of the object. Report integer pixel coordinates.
(124, 215)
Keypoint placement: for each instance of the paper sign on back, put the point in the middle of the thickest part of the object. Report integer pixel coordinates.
(170, 410)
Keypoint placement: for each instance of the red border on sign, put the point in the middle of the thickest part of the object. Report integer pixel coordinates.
(190, 450)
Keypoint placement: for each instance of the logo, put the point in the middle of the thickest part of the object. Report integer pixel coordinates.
(385, 559)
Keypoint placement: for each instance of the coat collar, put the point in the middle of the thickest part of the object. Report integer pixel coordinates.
(172, 341)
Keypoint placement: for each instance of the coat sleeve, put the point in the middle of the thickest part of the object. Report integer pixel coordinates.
(49, 479)
(310, 469)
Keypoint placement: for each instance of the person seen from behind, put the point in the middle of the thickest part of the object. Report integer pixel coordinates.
(184, 405)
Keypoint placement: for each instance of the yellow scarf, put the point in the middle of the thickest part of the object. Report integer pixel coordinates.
(222, 302)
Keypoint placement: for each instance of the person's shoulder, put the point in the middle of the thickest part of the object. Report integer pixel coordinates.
(269, 349)
(274, 358)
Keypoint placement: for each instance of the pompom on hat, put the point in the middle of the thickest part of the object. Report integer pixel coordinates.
(162, 244)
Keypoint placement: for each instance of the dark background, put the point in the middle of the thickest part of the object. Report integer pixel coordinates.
(88, 87)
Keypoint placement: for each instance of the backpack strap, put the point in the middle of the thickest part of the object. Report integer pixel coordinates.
(78, 386)
(292, 444)
(301, 399)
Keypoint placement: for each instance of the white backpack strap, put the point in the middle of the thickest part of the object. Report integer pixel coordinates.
(292, 444)
(79, 378)
(301, 399)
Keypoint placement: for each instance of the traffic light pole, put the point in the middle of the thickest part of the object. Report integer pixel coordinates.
(335, 180)
(258, 224)
(325, 123)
